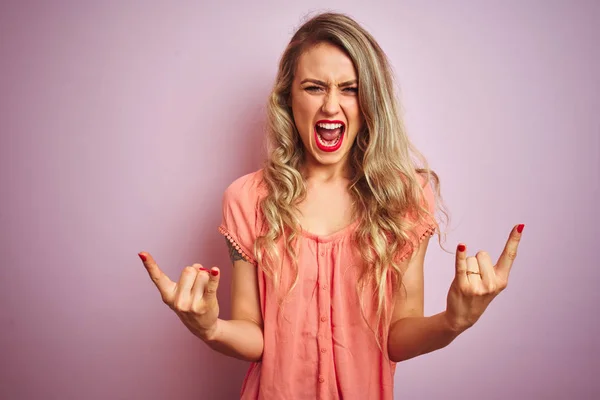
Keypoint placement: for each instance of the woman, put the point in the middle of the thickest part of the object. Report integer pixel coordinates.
(328, 239)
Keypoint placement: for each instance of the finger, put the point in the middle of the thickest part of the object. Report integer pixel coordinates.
(473, 266)
(186, 282)
(210, 292)
(165, 285)
(200, 282)
(486, 268)
(461, 265)
(509, 253)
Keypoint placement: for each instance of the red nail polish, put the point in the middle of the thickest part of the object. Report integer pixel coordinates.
(202, 269)
(520, 228)
(462, 247)
(143, 257)
(214, 272)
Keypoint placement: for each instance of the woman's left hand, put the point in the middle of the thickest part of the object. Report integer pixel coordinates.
(477, 282)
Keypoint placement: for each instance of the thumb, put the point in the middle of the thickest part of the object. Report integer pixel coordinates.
(213, 284)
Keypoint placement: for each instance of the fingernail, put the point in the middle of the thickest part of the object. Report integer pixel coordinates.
(143, 257)
(520, 228)
(462, 247)
(202, 269)
(214, 272)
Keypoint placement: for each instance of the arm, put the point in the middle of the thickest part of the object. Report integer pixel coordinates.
(242, 336)
(476, 283)
(411, 334)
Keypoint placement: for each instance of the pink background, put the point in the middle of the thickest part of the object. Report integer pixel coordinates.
(122, 124)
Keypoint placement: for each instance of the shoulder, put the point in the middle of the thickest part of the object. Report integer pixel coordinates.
(247, 186)
(241, 221)
(426, 182)
(423, 179)
(241, 208)
(243, 195)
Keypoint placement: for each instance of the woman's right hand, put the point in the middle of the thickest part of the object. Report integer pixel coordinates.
(193, 298)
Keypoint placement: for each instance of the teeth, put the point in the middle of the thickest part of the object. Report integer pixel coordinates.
(329, 126)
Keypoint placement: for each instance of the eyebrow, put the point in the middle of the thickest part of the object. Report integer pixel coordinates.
(318, 82)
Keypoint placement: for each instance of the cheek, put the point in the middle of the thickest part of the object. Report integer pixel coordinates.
(301, 121)
(352, 111)
(351, 106)
(305, 108)
(304, 111)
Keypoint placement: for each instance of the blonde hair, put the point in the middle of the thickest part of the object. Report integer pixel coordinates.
(385, 164)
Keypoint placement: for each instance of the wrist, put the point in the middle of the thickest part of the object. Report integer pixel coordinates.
(454, 324)
(211, 334)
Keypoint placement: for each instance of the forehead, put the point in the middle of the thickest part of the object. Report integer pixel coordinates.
(326, 62)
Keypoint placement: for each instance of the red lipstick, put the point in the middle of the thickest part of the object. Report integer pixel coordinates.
(326, 140)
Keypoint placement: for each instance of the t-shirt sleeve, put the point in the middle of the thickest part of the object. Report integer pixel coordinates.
(239, 221)
(428, 225)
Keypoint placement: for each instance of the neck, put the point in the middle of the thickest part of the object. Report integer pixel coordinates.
(326, 173)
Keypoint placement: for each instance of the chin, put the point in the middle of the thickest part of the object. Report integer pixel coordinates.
(329, 158)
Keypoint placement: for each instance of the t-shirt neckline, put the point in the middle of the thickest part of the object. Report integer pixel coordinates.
(332, 236)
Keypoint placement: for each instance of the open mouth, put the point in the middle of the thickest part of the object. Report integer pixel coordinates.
(329, 135)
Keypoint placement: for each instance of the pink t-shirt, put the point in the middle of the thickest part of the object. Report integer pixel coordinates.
(317, 345)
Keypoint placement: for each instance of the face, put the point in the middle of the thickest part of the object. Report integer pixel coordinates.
(325, 105)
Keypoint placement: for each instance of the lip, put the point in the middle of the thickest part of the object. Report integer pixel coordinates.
(339, 143)
(329, 121)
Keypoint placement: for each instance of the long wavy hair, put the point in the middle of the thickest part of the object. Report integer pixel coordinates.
(384, 186)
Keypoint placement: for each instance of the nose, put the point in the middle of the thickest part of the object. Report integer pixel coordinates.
(331, 104)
